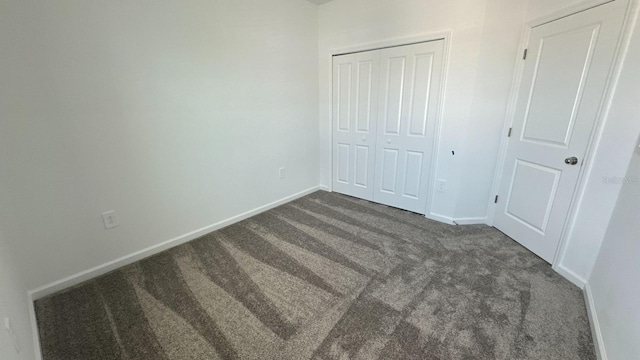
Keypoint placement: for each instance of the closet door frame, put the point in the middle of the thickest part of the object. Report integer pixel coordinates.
(445, 37)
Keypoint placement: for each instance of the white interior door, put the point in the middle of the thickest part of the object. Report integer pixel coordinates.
(410, 78)
(355, 91)
(563, 83)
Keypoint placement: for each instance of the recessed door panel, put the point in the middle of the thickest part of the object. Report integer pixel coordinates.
(395, 86)
(344, 158)
(389, 172)
(413, 174)
(560, 74)
(363, 109)
(532, 178)
(362, 166)
(344, 97)
(421, 87)
(563, 84)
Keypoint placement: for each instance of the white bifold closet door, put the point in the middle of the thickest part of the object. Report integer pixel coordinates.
(355, 92)
(385, 106)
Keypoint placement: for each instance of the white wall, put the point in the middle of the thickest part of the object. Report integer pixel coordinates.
(13, 305)
(175, 114)
(485, 36)
(614, 280)
(501, 35)
(541, 8)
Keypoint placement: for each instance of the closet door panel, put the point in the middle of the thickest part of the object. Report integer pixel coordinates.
(410, 78)
(355, 97)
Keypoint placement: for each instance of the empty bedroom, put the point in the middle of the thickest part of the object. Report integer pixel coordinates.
(319, 179)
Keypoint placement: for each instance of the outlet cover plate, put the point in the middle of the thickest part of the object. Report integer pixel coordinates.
(110, 219)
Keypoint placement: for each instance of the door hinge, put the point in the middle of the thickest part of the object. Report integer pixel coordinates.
(496, 200)
(524, 57)
(509, 134)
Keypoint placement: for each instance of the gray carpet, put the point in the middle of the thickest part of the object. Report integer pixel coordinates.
(325, 277)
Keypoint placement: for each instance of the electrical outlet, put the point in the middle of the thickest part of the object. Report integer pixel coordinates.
(281, 173)
(110, 219)
(441, 185)
(12, 334)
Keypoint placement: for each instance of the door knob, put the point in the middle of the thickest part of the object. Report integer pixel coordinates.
(388, 141)
(364, 138)
(571, 160)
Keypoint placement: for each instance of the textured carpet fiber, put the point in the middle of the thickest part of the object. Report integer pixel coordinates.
(325, 277)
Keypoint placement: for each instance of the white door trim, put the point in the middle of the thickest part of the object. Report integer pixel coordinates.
(614, 76)
(445, 36)
(567, 11)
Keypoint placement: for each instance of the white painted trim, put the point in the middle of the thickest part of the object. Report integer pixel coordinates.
(330, 185)
(596, 332)
(324, 188)
(399, 41)
(433, 169)
(138, 255)
(470, 221)
(440, 218)
(567, 11)
(568, 274)
(445, 36)
(34, 327)
(457, 221)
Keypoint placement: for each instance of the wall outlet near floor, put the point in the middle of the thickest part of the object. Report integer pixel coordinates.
(281, 173)
(12, 334)
(110, 219)
(441, 185)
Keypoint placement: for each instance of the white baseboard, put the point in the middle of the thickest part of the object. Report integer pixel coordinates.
(440, 218)
(470, 221)
(457, 221)
(75, 279)
(598, 341)
(568, 274)
(34, 327)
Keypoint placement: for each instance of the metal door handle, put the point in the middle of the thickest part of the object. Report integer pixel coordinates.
(571, 160)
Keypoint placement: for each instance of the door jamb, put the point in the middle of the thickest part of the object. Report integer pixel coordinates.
(445, 36)
(596, 132)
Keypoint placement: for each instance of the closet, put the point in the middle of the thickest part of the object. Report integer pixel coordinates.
(385, 107)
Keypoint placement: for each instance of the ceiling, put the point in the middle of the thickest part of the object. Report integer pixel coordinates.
(319, 2)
